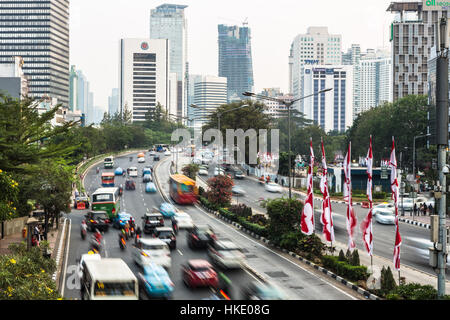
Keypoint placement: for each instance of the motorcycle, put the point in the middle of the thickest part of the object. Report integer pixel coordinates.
(120, 190)
(132, 231)
(83, 230)
(98, 170)
(122, 242)
(131, 159)
(126, 233)
(96, 244)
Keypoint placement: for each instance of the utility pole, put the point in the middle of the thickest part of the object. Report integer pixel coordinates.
(442, 143)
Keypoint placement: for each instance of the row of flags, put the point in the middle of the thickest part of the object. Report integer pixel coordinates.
(326, 218)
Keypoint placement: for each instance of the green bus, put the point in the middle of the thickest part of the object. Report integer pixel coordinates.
(109, 162)
(107, 199)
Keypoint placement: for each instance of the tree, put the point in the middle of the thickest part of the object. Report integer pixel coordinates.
(191, 171)
(282, 220)
(219, 192)
(9, 192)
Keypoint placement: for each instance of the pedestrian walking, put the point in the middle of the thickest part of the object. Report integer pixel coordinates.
(430, 209)
(415, 209)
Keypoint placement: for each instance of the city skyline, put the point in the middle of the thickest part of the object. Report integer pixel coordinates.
(273, 30)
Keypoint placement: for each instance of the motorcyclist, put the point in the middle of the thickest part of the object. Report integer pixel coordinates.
(132, 226)
(121, 189)
(224, 288)
(122, 241)
(174, 225)
(98, 170)
(138, 234)
(131, 159)
(83, 228)
(98, 236)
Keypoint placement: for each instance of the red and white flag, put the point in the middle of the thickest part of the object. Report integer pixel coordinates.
(307, 221)
(327, 214)
(366, 225)
(351, 217)
(395, 192)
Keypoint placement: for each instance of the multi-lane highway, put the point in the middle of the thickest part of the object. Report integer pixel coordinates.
(415, 243)
(298, 282)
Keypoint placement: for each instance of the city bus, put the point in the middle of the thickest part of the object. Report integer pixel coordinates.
(109, 162)
(108, 179)
(108, 279)
(183, 190)
(106, 199)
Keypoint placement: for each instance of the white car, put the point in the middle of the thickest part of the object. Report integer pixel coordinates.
(203, 172)
(406, 203)
(133, 172)
(152, 153)
(273, 187)
(237, 190)
(152, 250)
(167, 153)
(184, 220)
(384, 207)
(141, 160)
(219, 172)
(384, 217)
(226, 254)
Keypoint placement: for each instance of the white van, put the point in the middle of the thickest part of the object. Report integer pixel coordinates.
(133, 172)
(108, 279)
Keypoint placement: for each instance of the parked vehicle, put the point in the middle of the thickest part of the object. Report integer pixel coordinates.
(199, 273)
(152, 251)
(226, 254)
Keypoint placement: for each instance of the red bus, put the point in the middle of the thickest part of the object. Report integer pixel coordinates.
(108, 179)
(183, 190)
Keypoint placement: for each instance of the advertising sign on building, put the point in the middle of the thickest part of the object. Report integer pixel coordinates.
(435, 5)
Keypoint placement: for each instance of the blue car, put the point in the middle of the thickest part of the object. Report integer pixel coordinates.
(150, 187)
(119, 172)
(121, 219)
(155, 282)
(146, 171)
(167, 210)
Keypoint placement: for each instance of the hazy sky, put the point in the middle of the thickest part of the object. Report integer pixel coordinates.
(97, 25)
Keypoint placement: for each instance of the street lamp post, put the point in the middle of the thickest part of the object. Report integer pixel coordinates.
(288, 105)
(414, 167)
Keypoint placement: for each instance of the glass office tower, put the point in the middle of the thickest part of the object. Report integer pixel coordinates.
(235, 60)
(38, 31)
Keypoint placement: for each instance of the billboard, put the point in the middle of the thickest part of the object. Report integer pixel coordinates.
(435, 5)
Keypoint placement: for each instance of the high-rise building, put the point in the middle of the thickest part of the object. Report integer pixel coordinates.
(412, 37)
(193, 79)
(38, 31)
(210, 92)
(73, 89)
(333, 110)
(144, 71)
(113, 102)
(235, 60)
(317, 46)
(273, 108)
(168, 21)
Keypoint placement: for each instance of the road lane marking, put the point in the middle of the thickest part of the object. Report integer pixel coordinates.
(180, 252)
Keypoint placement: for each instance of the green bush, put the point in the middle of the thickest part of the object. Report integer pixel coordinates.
(241, 210)
(290, 241)
(311, 247)
(354, 260)
(414, 291)
(379, 195)
(208, 204)
(342, 256)
(256, 228)
(345, 270)
(229, 215)
(201, 191)
(387, 281)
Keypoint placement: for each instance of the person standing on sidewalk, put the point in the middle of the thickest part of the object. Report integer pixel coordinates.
(430, 209)
(415, 209)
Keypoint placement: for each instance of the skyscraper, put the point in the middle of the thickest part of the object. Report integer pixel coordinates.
(168, 21)
(113, 102)
(412, 37)
(210, 92)
(38, 31)
(235, 60)
(317, 46)
(73, 89)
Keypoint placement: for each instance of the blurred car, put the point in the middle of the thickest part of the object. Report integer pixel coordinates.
(200, 236)
(133, 172)
(147, 178)
(199, 273)
(226, 254)
(130, 184)
(155, 282)
(167, 153)
(273, 187)
(118, 172)
(219, 172)
(152, 153)
(167, 210)
(146, 170)
(121, 219)
(141, 160)
(167, 235)
(385, 217)
(262, 291)
(203, 172)
(384, 207)
(406, 203)
(151, 221)
(150, 188)
(97, 220)
(148, 251)
(156, 158)
(237, 190)
(238, 174)
(184, 220)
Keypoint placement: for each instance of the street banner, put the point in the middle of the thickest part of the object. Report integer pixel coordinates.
(327, 214)
(366, 225)
(395, 192)
(351, 217)
(307, 220)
